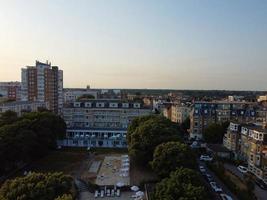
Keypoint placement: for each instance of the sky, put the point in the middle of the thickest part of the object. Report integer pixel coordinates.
(175, 44)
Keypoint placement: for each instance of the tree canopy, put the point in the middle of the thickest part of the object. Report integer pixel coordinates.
(28, 138)
(8, 117)
(85, 96)
(183, 184)
(37, 186)
(170, 156)
(214, 133)
(145, 133)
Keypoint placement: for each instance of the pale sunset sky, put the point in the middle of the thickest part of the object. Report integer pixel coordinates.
(189, 44)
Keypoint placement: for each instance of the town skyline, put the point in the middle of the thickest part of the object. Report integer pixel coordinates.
(175, 45)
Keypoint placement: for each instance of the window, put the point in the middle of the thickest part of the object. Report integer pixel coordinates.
(251, 158)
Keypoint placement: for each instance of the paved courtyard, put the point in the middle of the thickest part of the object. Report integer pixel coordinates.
(114, 169)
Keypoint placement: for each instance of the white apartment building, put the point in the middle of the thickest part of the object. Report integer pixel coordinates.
(100, 123)
(21, 107)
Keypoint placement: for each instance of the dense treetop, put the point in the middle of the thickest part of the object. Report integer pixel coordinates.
(145, 133)
(170, 156)
(23, 139)
(214, 133)
(37, 186)
(183, 184)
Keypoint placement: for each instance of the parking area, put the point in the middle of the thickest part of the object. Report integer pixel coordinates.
(214, 182)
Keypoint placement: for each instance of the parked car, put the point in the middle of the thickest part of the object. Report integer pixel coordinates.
(209, 177)
(215, 187)
(261, 184)
(242, 169)
(202, 169)
(225, 197)
(205, 158)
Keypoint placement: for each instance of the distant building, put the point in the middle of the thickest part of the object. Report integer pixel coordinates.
(100, 123)
(262, 98)
(176, 112)
(10, 90)
(21, 107)
(72, 94)
(205, 113)
(235, 98)
(43, 83)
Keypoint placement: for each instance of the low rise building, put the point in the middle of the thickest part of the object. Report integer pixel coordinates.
(72, 94)
(10, 90)
(100, 123)
(21, 107)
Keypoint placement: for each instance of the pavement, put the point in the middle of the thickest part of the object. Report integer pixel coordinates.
(219, 182)
(260, 193)
(84, 193)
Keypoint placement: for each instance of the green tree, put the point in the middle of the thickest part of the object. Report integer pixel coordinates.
(214, 133)
(183, 184)
(85, 97)
(186, 124)
(170, 156)
(36, 186)
(29, 137)
(146, 133)
(8, 117)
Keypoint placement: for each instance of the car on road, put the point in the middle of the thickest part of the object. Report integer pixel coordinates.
(242, 169)
(225, 197)
(202, 169)
(209, 177)
(215, 187)
(205, 158)
(261, 184)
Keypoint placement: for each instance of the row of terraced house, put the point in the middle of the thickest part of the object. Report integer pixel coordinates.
(248, 142)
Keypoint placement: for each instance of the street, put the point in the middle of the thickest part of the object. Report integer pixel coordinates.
(219, 182)
(260, 193)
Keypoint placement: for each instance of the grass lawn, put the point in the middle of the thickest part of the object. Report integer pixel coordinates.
(65, 161)
(109, 150)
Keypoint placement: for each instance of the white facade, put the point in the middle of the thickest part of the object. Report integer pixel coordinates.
(24, 85)
(21, 107)
(41, 82)
(100, 123)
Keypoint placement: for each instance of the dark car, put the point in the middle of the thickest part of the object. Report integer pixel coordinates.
(261, 184)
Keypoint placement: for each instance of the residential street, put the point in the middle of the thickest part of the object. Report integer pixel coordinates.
(219, 182)
(260, 193)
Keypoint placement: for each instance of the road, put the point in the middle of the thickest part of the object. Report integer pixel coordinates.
(218, 181)
(84, 193)
(260, 193)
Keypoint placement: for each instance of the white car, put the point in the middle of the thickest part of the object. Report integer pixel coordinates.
(225, 197)
(242, 169)
(205, 158)
(215, 187)
(202, 169)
